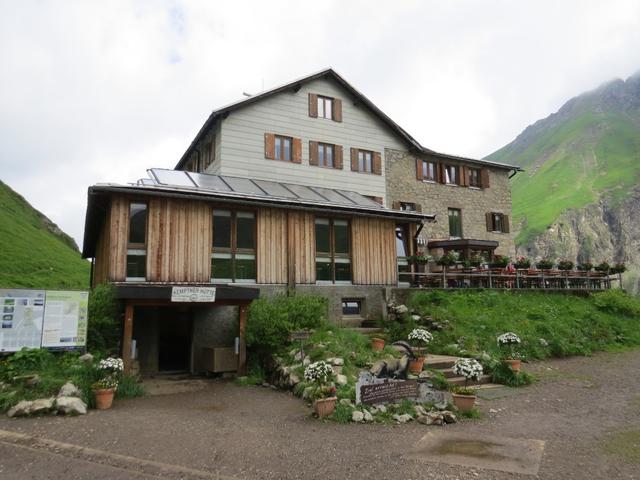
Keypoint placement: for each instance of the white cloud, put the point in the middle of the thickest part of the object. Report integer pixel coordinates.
(100, 91)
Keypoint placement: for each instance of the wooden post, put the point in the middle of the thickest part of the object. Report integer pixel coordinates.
(242, 350)
(291, 255)
(127, 333)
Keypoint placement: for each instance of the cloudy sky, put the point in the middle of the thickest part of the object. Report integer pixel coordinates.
(94, 91)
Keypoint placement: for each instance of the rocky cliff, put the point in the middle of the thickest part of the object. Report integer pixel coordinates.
(579, 197)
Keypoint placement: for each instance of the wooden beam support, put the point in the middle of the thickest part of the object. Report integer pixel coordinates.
(127, 334)
(242, 350)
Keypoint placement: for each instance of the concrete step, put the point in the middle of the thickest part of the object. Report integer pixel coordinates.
(460, 381)
(439, 362)
(447, 372)
(350, 322)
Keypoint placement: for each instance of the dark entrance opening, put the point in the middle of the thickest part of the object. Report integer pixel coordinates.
(174, 339)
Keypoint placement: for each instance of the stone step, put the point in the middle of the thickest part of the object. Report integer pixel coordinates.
(350, 322)
(439, 362)
(460, 381)
(365, 331)
(447, 372)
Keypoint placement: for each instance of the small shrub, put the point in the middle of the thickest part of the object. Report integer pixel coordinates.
(129, 387)
(439, 381)
(272, 319)
(503, 374)
(473, 414)
(342, 414)
(104, 326)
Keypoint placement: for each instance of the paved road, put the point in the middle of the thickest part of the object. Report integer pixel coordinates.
(225, 431)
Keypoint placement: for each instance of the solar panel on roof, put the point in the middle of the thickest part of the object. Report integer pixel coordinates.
(172, 177)
(243, 185)
(305, 193)
(275, 189)
(333, 196)
(360, 200)
(209, 182)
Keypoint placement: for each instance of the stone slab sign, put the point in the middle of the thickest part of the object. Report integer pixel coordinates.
(373, 390)
(513, 455)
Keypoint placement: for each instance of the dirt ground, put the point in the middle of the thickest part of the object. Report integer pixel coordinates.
(585, 410)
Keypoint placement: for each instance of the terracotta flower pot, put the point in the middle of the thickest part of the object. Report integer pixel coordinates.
(377, 344)
(104, 398)
(514, 364)
(415, 366)
(464, 403)
(324, 406)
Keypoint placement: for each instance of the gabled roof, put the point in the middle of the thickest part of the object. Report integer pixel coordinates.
(295, 85)
(239, 190)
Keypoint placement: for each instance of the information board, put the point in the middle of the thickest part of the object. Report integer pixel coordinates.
(39, 318)
(65, 319)
(22, 314)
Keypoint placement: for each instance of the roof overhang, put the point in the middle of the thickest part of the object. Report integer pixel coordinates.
(99, 198)
(162, 292)
(464, 243)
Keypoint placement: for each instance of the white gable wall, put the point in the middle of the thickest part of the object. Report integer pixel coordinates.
(241, 140)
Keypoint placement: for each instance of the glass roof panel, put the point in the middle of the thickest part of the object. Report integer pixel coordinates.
(305, 193)
(275, 189)
(333, 196)
(172, 177)
(209, 182)
(243, 185)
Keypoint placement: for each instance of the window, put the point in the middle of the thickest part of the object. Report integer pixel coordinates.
(408, 207)
(451, 175)
(333, 251)
(351, 307)
(426, 170)
(402, 252)
(137, 243)
(325, 107)
(474, 177)
(283, 148)
(365, 161)
(233, 253)
(497, 222)
(325, 155)
(455, 223)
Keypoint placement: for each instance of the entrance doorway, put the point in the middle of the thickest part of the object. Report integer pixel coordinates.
(174, 340)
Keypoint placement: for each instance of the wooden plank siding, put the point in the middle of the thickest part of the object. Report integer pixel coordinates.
(178, 241)
(179, 238)
(302, 246)
(271, 248)
(373, 247)
(118, 238)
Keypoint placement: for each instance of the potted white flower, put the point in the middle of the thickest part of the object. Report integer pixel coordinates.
(419, 338)
(508, 343)
(464, 398)
(323, 394)
(105, 388)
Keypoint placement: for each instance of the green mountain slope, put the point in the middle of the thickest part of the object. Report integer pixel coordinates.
(588, 151)
(34, 252)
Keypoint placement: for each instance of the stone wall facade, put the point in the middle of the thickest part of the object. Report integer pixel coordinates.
(437, 198)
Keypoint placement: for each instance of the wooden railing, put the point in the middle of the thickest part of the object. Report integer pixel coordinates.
(497, 279)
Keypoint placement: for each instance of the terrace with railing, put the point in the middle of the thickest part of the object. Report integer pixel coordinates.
(458, 276)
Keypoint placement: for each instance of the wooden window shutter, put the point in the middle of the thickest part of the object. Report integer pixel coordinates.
(354, 159)
(489, 220)
(377, 163)
(395, 205)
(269, 146)
(337, 110)
(484, 178)
(505, 224)
(337, 157)
(313, 105)
(440, 176)
(464, 178)
(313, 153)
(296, 153)
(419, 168)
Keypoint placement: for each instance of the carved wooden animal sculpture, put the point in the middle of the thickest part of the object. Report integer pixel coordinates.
(394, 367)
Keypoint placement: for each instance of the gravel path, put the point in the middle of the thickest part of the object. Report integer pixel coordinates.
(252, 432)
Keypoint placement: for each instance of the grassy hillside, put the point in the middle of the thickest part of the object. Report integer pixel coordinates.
(549, 324)
(34, 253)
(590, 149)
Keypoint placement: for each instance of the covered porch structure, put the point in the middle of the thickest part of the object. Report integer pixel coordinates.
(185, 327)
